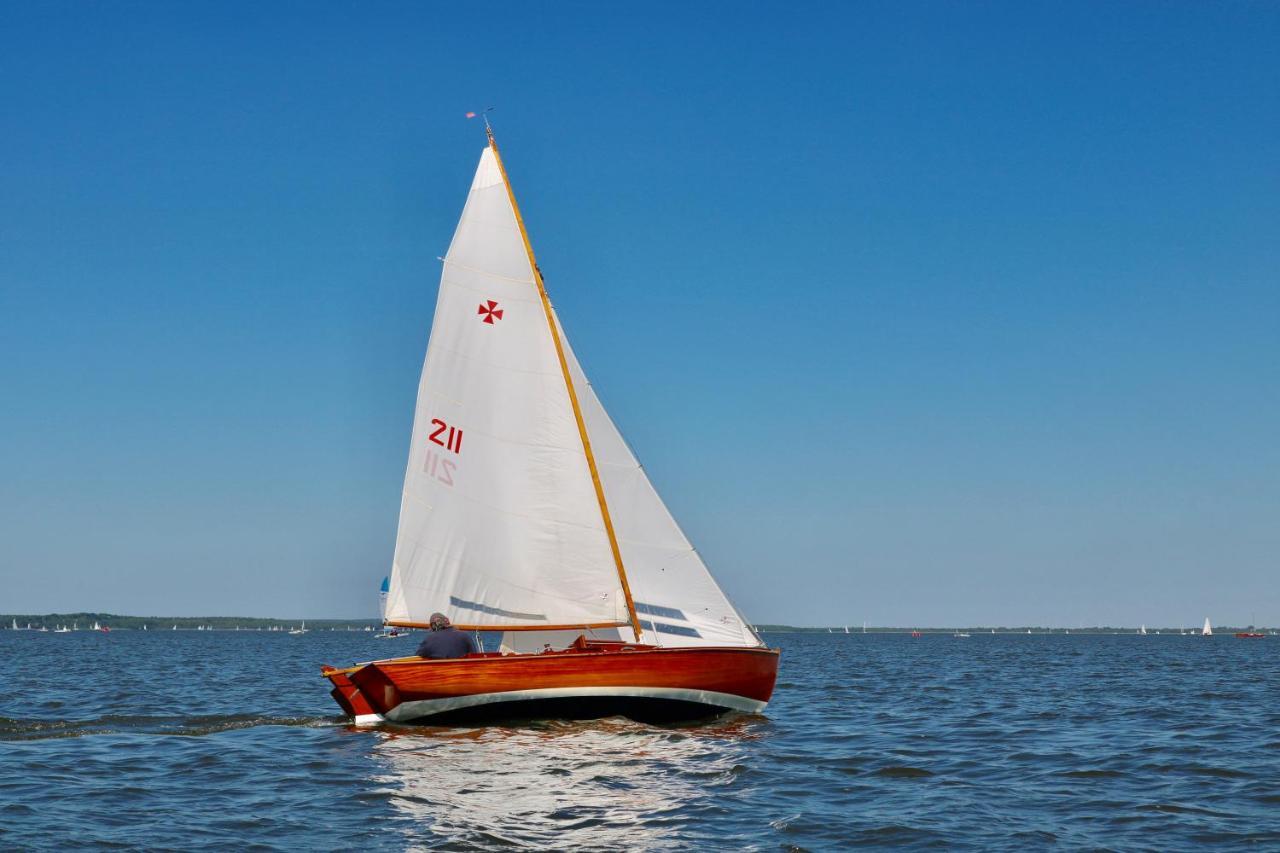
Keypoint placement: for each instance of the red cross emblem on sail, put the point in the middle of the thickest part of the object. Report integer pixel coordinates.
(490, 310)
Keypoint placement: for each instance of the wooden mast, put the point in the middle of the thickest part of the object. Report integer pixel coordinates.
(568, 384)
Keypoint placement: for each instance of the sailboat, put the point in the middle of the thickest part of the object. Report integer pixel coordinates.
(524, 511)
(1250, 633)
(1142, 630)
(301, 630)
(1207, 631)
(387, 633)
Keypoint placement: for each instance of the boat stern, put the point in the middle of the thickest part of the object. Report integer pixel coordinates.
(349, 698)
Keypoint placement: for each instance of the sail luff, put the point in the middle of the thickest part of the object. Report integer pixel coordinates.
(573, 396)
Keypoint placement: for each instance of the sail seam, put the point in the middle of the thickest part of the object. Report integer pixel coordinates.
(499, 580)
(514, 514)
(478, 271)
(495, 366)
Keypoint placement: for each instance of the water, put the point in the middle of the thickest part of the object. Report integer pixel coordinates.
(185, 740)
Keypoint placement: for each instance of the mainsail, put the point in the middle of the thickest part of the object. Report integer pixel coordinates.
(523, 508)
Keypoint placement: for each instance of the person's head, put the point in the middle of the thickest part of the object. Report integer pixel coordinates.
(439, 622)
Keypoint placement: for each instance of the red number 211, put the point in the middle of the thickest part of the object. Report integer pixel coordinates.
(452, 442)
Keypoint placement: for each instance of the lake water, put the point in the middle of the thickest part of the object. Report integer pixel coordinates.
(229, 740)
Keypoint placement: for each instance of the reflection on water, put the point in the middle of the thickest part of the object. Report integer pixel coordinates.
(607, 783)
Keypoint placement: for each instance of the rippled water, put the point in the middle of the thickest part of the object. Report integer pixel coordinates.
(186, 739)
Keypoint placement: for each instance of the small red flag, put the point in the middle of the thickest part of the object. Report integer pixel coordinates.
(471, 115)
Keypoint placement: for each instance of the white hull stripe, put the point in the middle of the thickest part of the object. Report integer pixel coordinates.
(426, 707)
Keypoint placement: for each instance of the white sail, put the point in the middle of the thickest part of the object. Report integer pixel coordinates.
(1208, 629)
(500, 523)
(499, 520)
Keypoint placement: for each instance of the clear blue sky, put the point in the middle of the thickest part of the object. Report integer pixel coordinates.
(919, 313)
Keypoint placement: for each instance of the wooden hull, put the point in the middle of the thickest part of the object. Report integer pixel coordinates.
(589, 680)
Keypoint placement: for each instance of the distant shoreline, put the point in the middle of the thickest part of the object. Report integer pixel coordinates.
(84, 622)
(117, 622)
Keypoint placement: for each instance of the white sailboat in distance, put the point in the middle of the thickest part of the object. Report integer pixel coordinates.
(1207, 631)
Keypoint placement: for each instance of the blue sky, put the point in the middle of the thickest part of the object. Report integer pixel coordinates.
(918, 313)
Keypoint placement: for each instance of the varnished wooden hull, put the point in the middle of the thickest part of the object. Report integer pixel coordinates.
(594, 680)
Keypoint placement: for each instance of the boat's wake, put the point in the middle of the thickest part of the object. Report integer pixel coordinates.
(14, 729)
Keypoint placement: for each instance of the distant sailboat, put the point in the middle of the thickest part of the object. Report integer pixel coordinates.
(301, 630)
(388, 632)
(1142, 630)
(1207, 631)
(1251, 633)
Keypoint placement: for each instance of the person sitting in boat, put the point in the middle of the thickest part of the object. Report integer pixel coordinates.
(446, 641)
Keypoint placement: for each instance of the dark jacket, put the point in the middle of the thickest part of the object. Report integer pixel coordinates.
(447, 643)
